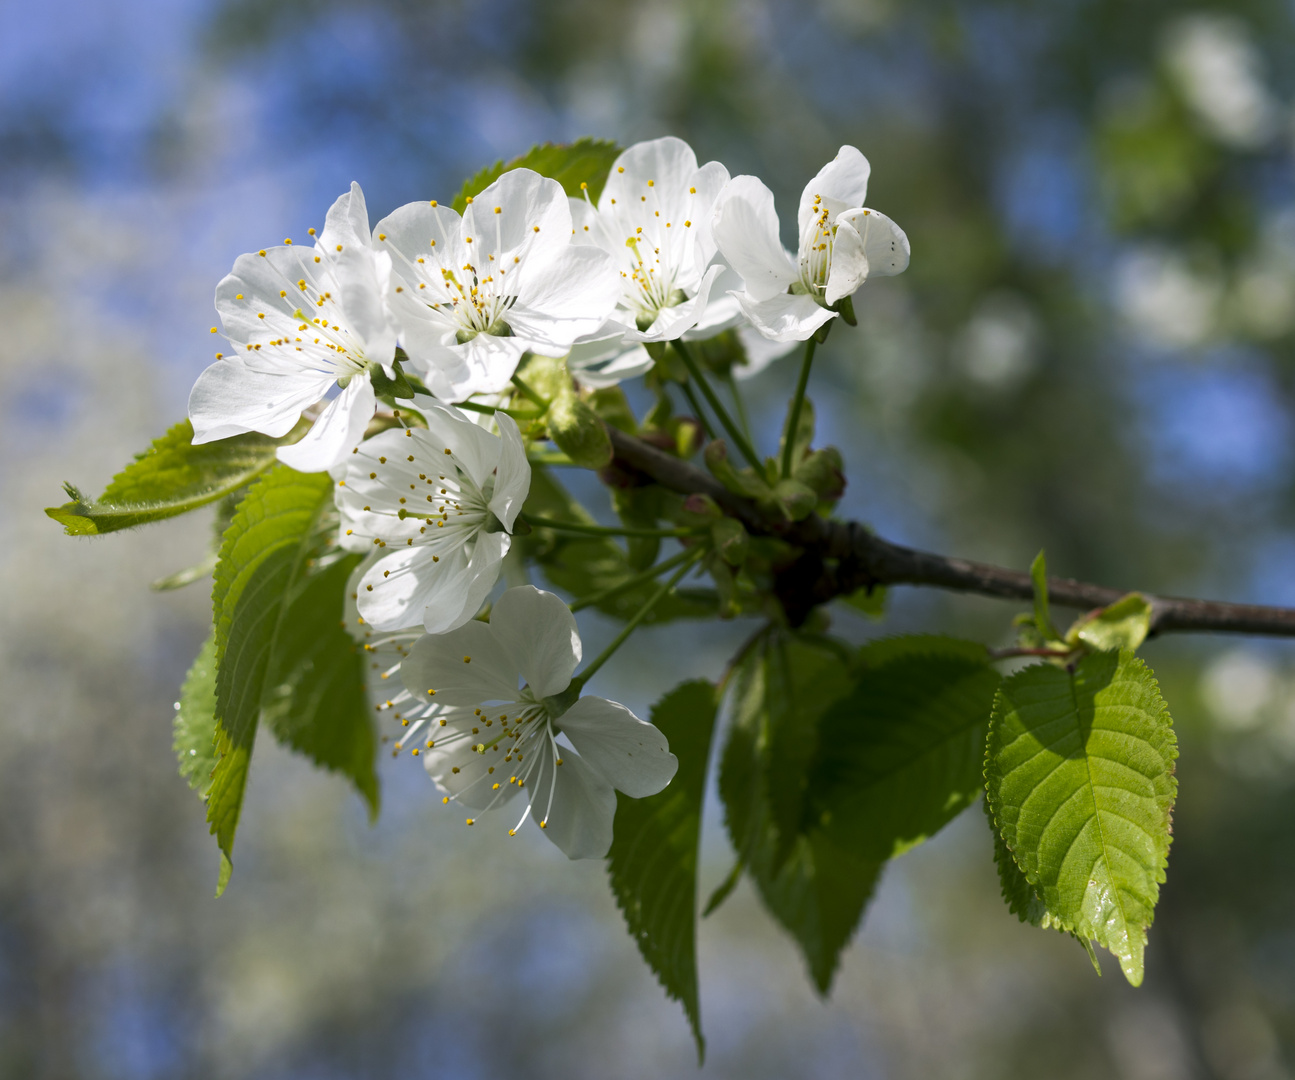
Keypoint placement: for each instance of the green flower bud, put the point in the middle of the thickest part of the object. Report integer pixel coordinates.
(824, 472)
(731, 540)
(578, 430)
(795, 499)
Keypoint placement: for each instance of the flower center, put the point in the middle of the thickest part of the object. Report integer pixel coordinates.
(816, 242)
(650, 275)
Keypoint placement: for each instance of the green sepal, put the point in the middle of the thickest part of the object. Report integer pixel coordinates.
(1042, 614)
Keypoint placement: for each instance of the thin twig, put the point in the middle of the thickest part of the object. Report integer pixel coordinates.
(838, 558)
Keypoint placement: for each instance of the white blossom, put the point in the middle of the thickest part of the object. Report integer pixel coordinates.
(301, 320)
(439, 504)
(654, 219)
(483, 739)
(842, 244)
(474, 293)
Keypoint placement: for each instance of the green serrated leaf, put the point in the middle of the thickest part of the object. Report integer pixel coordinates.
(584, 565)
(314, 699)
(194, 728)
(1080, 775)
(819, 892)
(570, 164)
(802, 679)
(653, 857)
(1022, 898)
(885, 650)
(902, 753)
(171, 477)
(262, 560)
(1122, 625)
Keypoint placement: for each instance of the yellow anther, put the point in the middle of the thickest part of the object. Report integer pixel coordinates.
(468, 660)
(499, 210)
(444, 800)
(238, 296)
(288, 240)
(415, 751)
(339, 247)
(620, 168)
(213, 330)
(261, 253)
(544, 824)
(433, 694)
(382, 236)
(311, 231)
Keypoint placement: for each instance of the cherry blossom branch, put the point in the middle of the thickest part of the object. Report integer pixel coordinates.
(837, 558)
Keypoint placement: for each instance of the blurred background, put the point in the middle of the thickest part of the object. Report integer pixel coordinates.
(1093, 351)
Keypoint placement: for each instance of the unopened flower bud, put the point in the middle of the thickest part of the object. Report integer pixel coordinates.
(578, 431)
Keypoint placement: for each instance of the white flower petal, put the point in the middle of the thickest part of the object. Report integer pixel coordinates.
(885, 245)
(631, 754)
(539, 633)
(849, 263)
(722, 310)
(347, 222)
(576, 293)
(409, 587)
(709, 182)
(512, 475)
(600, 365)
(746, 229)
(362, 278)
(474, 450)
(841, 184)
(229, 398)
(760, 352)
(789, 317)
(579, 820)
(523, 215)
(339, 428)
(436, 662)
(669, 163)
(490, 362)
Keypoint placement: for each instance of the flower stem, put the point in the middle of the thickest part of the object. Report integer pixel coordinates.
(604, 530)
(548, 457)
(793, 415)
(702, 418)
(579, 681)
(631, 582)
(530, 394)
(740, 406)
(490, 410)
(695, 372)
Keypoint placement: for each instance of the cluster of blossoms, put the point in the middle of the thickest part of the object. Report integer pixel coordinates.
(671, 251)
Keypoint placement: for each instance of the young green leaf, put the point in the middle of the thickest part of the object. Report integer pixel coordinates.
(263, 560)
(1079, 770)
(653, 857)
(314, 699)
(1042, 615)
(171, 477)
(194, 729)
(1122, 625)
(902, 753)
(585, 161)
